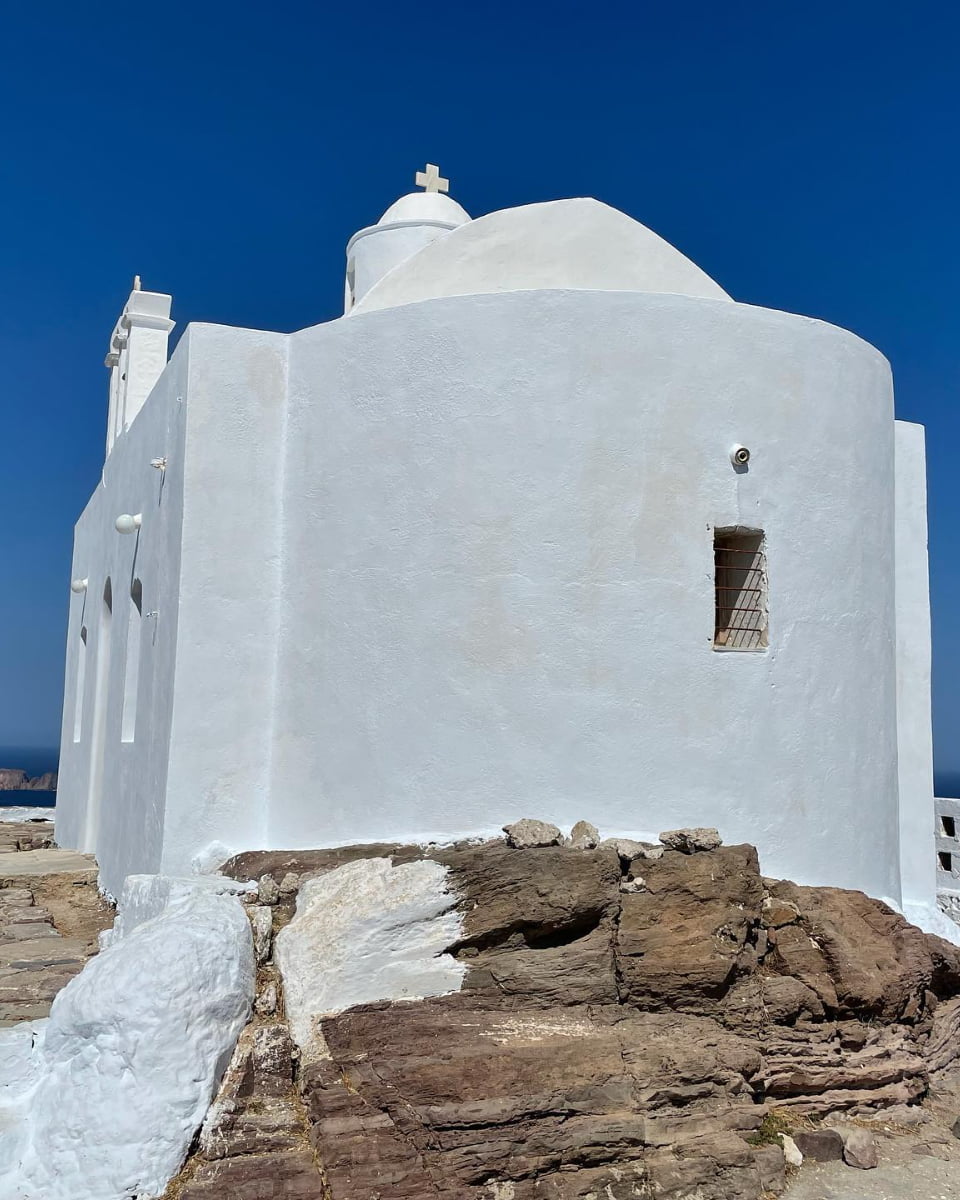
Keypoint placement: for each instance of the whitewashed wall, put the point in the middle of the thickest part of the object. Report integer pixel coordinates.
(196, 775)
(450, 564)
(218, 787)
(125, 825)
(498, 579)
(915, 734)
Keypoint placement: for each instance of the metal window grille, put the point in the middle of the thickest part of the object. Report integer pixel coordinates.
(740, 574)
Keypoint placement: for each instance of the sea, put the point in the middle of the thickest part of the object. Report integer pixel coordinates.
(35, 761)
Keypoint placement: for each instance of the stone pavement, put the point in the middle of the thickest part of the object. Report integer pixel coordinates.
(50, 917)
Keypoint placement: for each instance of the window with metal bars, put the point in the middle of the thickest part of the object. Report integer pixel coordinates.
(740, 577)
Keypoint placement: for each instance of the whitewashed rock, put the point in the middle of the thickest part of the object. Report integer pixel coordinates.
(268, 890)
(633, 885)
(525, 834)
(144, 897)
(261, 922)
(791, 1152)
(690, 841)
(123, 1070)
(584, 836)
(364, 932)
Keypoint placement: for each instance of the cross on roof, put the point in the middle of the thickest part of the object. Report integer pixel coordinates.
(431, 180)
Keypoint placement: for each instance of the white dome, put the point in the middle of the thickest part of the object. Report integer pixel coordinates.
(425, 206)
(562, 244)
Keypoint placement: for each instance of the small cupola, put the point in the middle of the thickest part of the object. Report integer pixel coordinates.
(409, 224)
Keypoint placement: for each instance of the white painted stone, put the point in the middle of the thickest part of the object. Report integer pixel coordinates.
(791, 1151)
(367, 931)
(145, 897)
(107, 1099)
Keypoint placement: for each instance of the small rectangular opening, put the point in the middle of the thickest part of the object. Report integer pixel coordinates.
(740, 582)
(131, 680)
(946, 860)
(79, 685)
(949, 827)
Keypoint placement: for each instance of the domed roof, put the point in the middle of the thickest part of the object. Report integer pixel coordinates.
(425, 206)
(562, 244)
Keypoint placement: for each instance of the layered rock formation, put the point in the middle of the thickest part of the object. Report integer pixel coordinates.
(626, 1024)
(15, 780)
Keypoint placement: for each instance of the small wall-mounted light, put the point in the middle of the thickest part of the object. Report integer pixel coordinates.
(739, 456)
(159, 464)
(78, 585)
(126, 523)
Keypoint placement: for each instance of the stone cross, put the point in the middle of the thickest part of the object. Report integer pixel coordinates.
(431, 180)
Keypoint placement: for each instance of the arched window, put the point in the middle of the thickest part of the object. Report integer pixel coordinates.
(131, 678)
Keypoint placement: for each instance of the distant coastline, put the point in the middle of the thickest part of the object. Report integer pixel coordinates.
(15, 779)
(31, 777)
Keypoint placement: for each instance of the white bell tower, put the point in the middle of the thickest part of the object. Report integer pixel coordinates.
(137, 355)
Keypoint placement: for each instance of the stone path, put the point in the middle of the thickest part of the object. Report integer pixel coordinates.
(50, 916)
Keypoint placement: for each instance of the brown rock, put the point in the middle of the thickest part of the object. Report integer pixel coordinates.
(278, 863)
(774, 912)
(771, 1168)
(679, 941)
(822, 1145)
(551, 898)
(440, 1096)
(607, 1043)
(859, 1148)
(859, 956)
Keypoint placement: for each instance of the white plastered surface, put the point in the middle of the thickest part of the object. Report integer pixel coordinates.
(101, 1100)
(364, 932)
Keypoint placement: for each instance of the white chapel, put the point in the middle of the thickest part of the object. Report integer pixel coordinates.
(546, 524)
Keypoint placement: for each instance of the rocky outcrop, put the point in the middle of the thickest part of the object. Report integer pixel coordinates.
(628, 1020)
(14, 780)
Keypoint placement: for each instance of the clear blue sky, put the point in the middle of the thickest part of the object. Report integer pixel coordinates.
(804, 155)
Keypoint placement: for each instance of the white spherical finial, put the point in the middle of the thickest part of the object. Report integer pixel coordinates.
(78, 585)
(126, 523)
